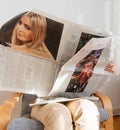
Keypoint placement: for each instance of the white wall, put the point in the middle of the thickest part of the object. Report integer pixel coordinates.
(93, 13)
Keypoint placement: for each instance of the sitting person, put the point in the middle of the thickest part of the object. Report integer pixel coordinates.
(55, 116)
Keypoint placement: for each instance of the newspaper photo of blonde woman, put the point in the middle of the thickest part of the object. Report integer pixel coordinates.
(29, 34)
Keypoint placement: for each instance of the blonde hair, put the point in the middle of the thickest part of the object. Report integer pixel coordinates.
(39, 27)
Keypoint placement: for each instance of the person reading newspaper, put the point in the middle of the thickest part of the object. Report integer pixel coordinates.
(28, 36)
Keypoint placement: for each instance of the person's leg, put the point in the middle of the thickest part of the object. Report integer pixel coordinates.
(85, 114)
(55, 116)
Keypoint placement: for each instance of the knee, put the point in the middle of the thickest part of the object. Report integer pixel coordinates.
(83, 108)
(58, 117)
(85, 114)
(58, 111)
(53, 111)
(89, 107)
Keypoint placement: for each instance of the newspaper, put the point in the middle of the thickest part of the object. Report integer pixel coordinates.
(96, 52)
(70, 44)
(91, 58)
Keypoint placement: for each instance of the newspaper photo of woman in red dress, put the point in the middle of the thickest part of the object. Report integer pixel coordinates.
(83, 72)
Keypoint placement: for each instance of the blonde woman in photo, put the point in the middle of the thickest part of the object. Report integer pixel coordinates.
(29, 35)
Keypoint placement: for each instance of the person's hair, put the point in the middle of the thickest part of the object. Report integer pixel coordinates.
(39, 27)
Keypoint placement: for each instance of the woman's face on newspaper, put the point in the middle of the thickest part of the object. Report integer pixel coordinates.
(23, 30)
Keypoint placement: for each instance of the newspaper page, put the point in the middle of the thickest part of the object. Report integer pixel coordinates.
(83, 74)
(21, 72)
(31, 67)
(27, 72)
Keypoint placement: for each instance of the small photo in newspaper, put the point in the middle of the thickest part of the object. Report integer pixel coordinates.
(84, 68)
(83, 72)
(84, 38)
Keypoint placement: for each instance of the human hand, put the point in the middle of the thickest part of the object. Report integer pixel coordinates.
(110, 67)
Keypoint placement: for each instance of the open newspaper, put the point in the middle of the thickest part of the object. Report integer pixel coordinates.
(82, 75)
(80, 55)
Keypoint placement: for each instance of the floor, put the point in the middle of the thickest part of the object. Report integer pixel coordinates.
(117, 123)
